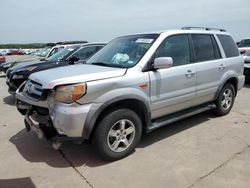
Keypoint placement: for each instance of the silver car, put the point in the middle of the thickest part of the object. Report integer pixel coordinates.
(135, 84)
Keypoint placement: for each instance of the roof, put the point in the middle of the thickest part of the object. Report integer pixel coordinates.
(200, 30)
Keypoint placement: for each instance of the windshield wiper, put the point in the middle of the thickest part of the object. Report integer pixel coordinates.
(107, 64)
(100, 63)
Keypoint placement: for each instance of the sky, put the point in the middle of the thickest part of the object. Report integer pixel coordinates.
(31, 21)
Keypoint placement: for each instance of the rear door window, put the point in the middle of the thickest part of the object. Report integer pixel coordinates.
(85, 52)
(205, 47)
(228, 45)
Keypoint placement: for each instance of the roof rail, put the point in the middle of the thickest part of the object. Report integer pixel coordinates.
(71, 42)
(205, 28)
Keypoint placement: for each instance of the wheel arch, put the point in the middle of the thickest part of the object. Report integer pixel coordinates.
(132, 102)
(233, 80)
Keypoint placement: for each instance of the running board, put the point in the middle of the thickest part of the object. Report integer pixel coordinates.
(179, 115)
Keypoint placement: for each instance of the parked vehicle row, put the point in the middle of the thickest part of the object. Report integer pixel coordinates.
(41, 55)
(134, 84)
(68, 56)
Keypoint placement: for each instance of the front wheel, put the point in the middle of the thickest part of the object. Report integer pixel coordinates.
(225, 101)
(117, 134)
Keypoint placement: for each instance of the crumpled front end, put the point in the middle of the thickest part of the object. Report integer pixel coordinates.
(54, 120)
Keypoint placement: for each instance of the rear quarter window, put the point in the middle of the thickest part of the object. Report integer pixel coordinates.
(228, 45)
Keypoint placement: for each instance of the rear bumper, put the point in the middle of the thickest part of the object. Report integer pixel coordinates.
(241, 82)
(247, 71)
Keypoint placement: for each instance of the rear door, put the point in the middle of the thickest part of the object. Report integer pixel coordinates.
(173, 89)
(209, 67)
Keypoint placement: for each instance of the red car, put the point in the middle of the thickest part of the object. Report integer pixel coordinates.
(244, 45)
(2, 59)
(16, 52)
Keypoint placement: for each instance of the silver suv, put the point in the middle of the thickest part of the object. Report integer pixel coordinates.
(135, 84)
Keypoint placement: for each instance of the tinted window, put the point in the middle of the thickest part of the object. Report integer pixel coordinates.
(177, 47)
(228, 45)
(85, 52)
(205, 47)
(244, 43)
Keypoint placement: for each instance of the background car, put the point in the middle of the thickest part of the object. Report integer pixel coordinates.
(16, 52)
(2, 59)
(246, 57)
(68, 56)
(244, 45)
(61, 45)
(40, 54)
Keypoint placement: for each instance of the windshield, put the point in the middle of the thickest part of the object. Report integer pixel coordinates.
(62, 54)
(124, 52)
(43, 52)
(244, 43)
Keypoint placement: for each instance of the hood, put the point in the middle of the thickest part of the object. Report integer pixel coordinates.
(22, 61)
(25, 65)
(74, 74)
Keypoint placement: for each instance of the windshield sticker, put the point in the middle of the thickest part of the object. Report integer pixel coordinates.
(144, 40)
(70, 49)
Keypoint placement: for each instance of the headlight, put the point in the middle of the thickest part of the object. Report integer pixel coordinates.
(70, 93)
(6, 66)
(31, 68)
(16, 76)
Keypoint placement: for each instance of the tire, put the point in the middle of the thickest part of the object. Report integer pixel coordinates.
(117, 134)
(225, 100)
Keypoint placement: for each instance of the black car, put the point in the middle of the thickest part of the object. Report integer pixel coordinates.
(70, 55)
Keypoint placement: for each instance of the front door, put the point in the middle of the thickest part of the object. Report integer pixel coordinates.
(173, 89)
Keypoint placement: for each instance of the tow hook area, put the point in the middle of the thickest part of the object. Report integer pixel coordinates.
(56, 145)
(41, 132)
(30, 125)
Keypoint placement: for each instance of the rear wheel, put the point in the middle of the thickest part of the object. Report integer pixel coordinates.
(117, 134)
(225, 101)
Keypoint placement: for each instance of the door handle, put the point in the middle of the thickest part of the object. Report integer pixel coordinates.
(189, 73)
(222, 67)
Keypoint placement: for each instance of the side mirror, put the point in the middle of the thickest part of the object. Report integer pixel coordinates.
(163, 63)
(72, 60)
(247, 59)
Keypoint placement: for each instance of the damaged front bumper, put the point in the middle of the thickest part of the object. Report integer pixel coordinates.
(38, 120)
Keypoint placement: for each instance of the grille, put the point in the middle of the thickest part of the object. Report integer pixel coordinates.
(34, 90)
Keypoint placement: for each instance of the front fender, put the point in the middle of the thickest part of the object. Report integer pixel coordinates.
(108, 99)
